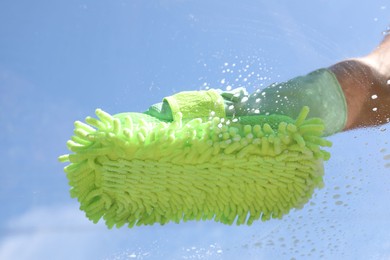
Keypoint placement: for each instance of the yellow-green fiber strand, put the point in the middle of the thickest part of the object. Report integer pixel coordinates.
(132, 169)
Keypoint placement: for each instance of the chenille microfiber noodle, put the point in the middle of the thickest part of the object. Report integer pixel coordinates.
(134, 169)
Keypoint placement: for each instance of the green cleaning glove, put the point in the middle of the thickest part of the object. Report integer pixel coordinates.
(201, 155)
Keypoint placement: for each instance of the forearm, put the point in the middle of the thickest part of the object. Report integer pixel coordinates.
(366, 88)
(366, 92)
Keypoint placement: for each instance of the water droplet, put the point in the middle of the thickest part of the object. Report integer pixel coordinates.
(375, 109)
(222, 81)
(374, 96)
(244, 99)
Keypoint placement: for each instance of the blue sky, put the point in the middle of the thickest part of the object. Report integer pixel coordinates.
(61, 61)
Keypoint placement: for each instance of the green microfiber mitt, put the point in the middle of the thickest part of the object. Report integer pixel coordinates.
(135, 169)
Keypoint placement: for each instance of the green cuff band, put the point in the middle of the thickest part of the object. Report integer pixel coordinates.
(319, 90)
(196, 104)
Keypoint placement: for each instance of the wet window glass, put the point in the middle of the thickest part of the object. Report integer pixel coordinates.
(59, 62)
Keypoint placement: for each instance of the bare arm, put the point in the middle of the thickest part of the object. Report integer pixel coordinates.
(366, 85)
